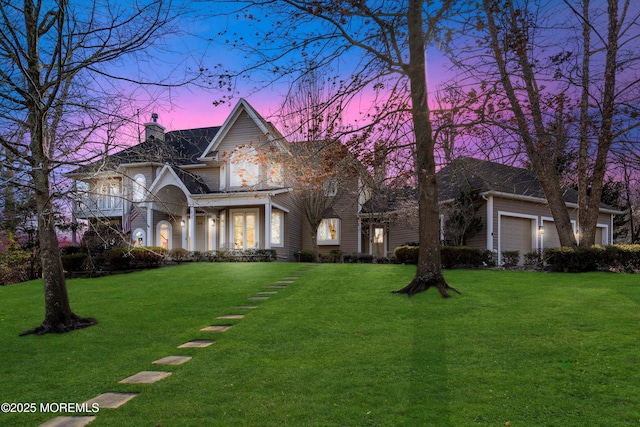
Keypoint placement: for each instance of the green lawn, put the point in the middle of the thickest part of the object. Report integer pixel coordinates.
(336, 348)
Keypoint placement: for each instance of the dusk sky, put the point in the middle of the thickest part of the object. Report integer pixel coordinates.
(192, 107)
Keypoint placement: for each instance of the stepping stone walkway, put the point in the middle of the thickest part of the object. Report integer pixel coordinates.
(197, 344)
(231, 316)
(172, 360)
(217, 328)
(111, 400)
(145, 377)
(114, 400)
(68, 422)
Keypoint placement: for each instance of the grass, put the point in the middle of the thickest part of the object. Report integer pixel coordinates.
(336, 348)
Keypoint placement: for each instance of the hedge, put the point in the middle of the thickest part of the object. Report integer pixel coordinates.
(461, 256)
(624, 258)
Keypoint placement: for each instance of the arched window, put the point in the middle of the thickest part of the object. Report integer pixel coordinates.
(139, 186)
(139, 237)
(164, 234)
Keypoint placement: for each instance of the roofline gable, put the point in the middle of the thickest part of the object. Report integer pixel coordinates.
(241, 106)
(173, 180)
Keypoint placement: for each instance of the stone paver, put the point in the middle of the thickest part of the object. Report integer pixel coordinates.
(145, 377)
(290, 278)
(68, 422)
(277, 287)
(285, 282)
(231, 316)
(111, 400)
(172, 360)
(247, 307)
(268, 293)
(216, 328)
(257, 298)
(197, 344)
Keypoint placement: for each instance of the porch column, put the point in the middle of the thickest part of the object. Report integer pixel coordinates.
(267, 225)
(183, 232)
(192, 229)
(150, 237)
(359, 234)
(490, 223)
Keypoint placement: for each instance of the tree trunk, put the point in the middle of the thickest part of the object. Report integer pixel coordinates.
(58, 315)
(429, 268)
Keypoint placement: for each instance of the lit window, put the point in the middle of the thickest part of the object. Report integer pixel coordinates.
(139, 184)
(329, 232)
(277, 226)
(244, 169)
(276, 176)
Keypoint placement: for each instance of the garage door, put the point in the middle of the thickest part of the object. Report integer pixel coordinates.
(515, 235)
(550, 237)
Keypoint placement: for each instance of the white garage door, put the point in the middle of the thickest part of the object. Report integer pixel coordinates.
(515, 235)
(550, 237)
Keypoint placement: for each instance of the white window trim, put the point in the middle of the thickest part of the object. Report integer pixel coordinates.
(139, 185)
(338, 233)
(247, 163)
(170, 239)
(143, 235)
(281, 243)
(232, 228)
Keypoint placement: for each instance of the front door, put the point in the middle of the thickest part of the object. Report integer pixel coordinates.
(245, 229)
(378, 244)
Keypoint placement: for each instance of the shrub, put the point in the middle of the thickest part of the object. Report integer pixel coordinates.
(148, 257)
(306, 255)
(73, 261)
(574, 260)
(489, 258)
(382, 260)
(118, 258)
(622, 258)
(510, 258)
(179, 255)
(15, 266)
(365, 258)
(533, 260)
(334, 256)
(406, 254)
(460, 256)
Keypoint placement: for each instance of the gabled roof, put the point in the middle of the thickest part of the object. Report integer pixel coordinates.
(490, 177)
(189, 183)
(179, 147)
(468, 173)
(267, 128)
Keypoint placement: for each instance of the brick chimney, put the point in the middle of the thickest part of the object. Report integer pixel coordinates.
(153, 129)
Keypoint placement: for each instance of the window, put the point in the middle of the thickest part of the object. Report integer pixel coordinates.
(330, 187)
(277, 227)
(223, 177)
(139, 186)
(244, 170)
(164, 234)
(245, 229)
(139, 237)
(276, 176)
(329, 232)
(222, 223)
(109, 196)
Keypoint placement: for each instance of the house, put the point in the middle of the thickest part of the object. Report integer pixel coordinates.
(513, 209)
(208, 189)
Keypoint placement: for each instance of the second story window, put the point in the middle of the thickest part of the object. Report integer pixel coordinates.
(109, 195)
(139, 185)
(243, 168)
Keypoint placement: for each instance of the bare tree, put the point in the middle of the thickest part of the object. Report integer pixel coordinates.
(379, 50)
(561, 94)
(56, 60)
